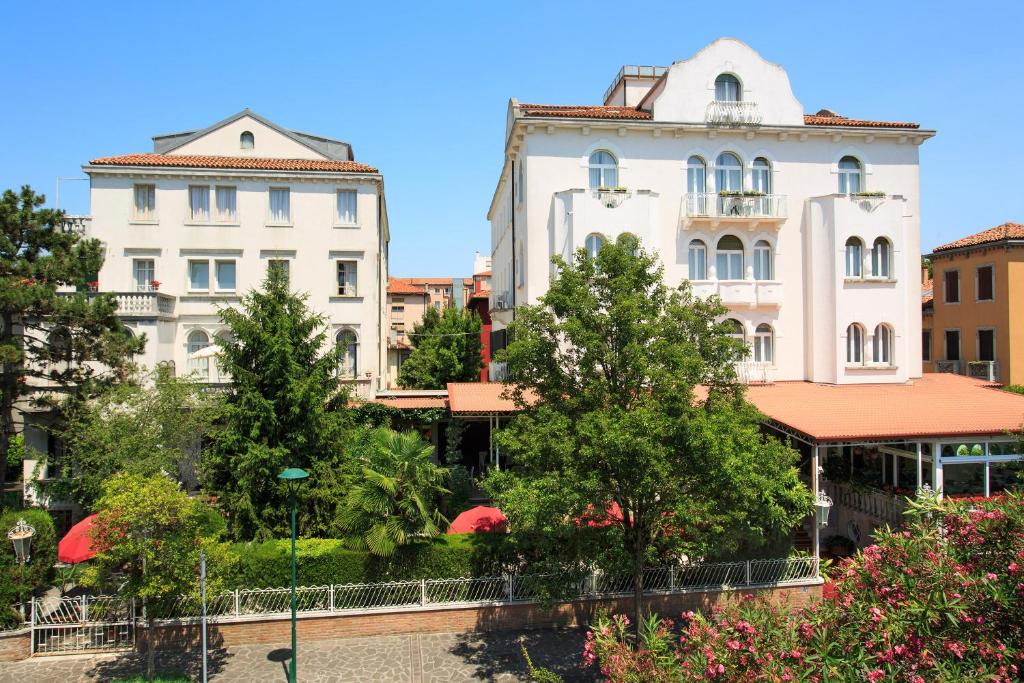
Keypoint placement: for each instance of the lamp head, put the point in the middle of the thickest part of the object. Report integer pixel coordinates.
(21, 536)
(293, 476)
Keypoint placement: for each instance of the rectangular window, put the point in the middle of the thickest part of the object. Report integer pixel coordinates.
(199, 276)
(986, 344)
(280, 206)
(225, 271)
(697, 257)
(227, 204)
(926, 345)
(199, 203)
(762, 263)
(144, 205)
(346, 278)
(986, 286)
(952, 344)
(283, 264)
(144, 274)
(347, 207)
(729, 265)
(952, 286)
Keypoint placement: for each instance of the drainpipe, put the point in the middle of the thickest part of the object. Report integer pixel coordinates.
(512, 199)
(815, 483)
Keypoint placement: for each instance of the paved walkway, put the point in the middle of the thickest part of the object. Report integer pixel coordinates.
(425, 658)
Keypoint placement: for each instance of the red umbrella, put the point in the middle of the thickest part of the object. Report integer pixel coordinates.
(77, 545)
(480, 518)
(612, 514)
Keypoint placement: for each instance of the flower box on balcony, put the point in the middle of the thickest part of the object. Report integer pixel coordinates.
(742, 193)
(868, 195)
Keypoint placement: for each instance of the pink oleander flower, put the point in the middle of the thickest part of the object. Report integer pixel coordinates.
(876, 675)
(733, 645)
(991, 577)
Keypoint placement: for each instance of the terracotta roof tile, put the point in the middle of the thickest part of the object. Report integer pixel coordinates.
(935, 405)
(927, 290)
(575, 111)
(412, 402)
(586, 111)
(399, 285)
(1006, 231)
(480, 397)
(818, 120)
(254, 163)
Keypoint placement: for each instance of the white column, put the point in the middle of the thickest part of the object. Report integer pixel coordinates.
(815, 538)
(936, 466)
(920, 472)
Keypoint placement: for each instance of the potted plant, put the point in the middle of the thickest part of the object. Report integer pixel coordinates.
(93, 285)
(155, 284)
(869, 194)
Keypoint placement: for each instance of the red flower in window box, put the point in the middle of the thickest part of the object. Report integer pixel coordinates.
(93, 285)
(155, 284)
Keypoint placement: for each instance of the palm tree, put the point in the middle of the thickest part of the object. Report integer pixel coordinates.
(394, 500)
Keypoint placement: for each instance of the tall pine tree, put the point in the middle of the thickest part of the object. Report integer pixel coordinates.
(286, 408)
(53, 342)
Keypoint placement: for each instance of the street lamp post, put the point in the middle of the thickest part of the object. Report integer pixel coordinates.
(293, 477)
(21, 536)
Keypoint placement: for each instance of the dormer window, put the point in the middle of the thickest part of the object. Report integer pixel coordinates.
(727, 89)
(247, 140)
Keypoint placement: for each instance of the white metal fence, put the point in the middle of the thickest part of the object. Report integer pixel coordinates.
(508, 588)
(107, 623)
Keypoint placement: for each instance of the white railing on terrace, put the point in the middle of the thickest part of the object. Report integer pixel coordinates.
(496, 589)
(885, 507)
(76, 224)
(144, 304)
(755, 372)
(712, 205)
(721, 113)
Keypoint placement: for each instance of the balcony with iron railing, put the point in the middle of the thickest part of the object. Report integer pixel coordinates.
(724, 113)
(751, 208)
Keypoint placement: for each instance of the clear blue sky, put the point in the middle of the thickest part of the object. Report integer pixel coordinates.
(420, 89)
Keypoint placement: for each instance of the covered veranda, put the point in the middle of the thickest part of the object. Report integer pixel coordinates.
(870, 446)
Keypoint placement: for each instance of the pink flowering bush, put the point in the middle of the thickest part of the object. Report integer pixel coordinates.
(940, 600)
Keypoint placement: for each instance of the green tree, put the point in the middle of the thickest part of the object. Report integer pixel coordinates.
(15, 456)
(72, 342)
(149, 428)
(151, 534)
(633, 401)
(284, 408)
(446, 348)
(393, 500)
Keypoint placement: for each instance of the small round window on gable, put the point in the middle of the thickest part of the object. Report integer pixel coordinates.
(248, 141)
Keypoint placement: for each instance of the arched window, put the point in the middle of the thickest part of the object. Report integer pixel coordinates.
(604, 170)
(881, 258)
(764, 344)
(727, 88)
(854, 344)
(247, 140)
(728, 173)
(628, 237)
(881, 345)
(593, 244)
(698, 260)
(197, 341)
(347, 348)
(735, 329)
(729, 258)
(761, 175)
(59, 341)
(696, 186)
(854, 257)
(763, 261)
(226, 339)
(850, 173)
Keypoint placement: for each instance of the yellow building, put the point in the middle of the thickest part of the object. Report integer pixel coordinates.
(974, 323)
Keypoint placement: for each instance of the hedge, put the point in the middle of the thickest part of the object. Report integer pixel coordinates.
(322, 561)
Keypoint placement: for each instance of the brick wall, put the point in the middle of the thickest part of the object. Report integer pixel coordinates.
(14, 645)
(446, 620)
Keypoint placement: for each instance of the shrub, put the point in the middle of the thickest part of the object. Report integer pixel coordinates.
(322, 561)
(941, 600)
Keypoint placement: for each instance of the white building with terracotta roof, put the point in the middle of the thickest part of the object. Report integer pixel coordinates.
(197, 222)
(806, 225)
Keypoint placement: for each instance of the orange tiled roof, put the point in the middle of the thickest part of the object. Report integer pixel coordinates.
(481, 397)
(935, 405)
(585, 111)
(1006, 231)
(819, 120)
(412, 402)
(254, 163)
(927, 290)
(399, 285)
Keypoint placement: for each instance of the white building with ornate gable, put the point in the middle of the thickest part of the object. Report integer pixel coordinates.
(806, 225)
(196, 223)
